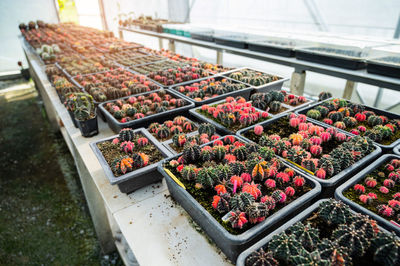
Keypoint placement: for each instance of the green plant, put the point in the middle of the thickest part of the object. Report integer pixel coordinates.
(387, 249)
(284, 246)
(126, 134)
(306, 235)
(335, 212)
(260, 257)
(351, 238)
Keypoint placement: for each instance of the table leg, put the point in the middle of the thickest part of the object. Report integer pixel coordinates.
(297, 82)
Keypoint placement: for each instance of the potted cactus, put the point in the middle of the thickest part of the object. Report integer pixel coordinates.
(326, 233)
(130, 158)
(376, 191)
(381, 126)
(235, 190)
(84, 113)
(323, 153)
(230, 115)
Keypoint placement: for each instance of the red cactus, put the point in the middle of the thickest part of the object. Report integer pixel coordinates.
(383, 190)
(220, 189)
(282, 177)
(303, 126)
(299, 181)
(325, 136)
(389, 183)
(372, 195)
(275, 137)
(395, 176)
(385, 210)
(359, 188)
(316, 150)
(294, 122)
(320, 173)
(340, 137)
(258, 130)
(270, 183)
(355, 132)
(289, 191)
(365, 199)
(360, 117)
(127, 146)
(316, 140)
(361, 129)
(327, 121)
(253, 189)
(237, 219)
(315, 130)
(115, 141)
(396, 196)
(394, 204)
(370, 182)
(246, 177)
(236, 181)
(142, 141)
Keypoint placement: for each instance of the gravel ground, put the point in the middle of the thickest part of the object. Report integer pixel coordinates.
(43, 214)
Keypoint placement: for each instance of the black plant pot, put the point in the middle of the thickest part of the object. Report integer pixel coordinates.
(74, 121)
(25, 73)
(88, 128)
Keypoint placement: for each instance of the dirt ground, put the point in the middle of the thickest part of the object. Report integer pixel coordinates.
(43, 214)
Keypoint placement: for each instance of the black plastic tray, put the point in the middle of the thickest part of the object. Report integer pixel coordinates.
(275, 85)
(370, 108)
(245, 93)
(332, 60)
(242, 44)
(136, 179)
(220, 128)
(116, 126)
(354, 180)
(383, 69)
(301, 217)
(328, 185)
(202, 37)
(271, 49)
(233, 245)
(396, 150)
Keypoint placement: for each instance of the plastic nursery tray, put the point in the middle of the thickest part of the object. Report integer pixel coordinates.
(275, 85)
(245, 93)
(202, 36)
(381, 67)
(233, 245)
(396, 150)
(241, 261)
(270, 48)
(116, 126)
(331, 59)
(139, 178)
(76, 83)
(175, 63)
(232, 40)
(328, 185)
(220, 128)
(369, 108)
(359, 177)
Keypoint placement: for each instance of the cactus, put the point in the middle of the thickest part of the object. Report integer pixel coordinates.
(322, 109)
(314, 114)
(277, 96)
(309, 258)
(257, 81)
(237, 168)
(328, 164)
(266, 153)
(332, 251)
(284, 246)
(240, 153)
(260, 257)
(253, 189)
(189, 172)
(223, 172)
(275, 106)
(206, 153)
(350, 121)
(207, 177)
(279, 196)
(188, 126)
(374, 120)
(324, 95)
(241, 201)
(310, 164)
(126, 134)
(122, 165)
(335, 116)
(140, 159)
(221, 202)
(127, 146)
(335, 212)
(206, 128)
(351, 238)
(306, 235)
(387, 249)
(364, 224)
(256, 212)
(163, 132)
(237, 219)
(219, 152)
(191, 153)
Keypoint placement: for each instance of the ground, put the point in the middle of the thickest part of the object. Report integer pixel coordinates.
(43, 214)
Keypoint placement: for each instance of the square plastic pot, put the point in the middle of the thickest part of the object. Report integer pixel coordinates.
(74, 121)
(245, 93)
(241, 261)
(275, 85)
(232, 41)
(220, 128)
(267, 48)
(380, 68)
(396, 150)
(139, 178)
(88, 128)
(359, 178)
(233, 245)
(328, 185)
(116, 126)
(385, 148)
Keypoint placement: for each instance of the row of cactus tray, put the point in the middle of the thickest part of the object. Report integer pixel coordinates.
(327, 233)
(381, 126)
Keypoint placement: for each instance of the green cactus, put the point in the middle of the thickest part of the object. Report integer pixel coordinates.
(335, 212)
(309, 258)
(241, 201)
(240, 153)
(306, 235)
(387, 249)
(191, 152)
(260, 257)
(374, 120)
(284, 246)
(206, 128)
(207, 177)
(189, 172)
(127, 134)
(351, 238)
(314, 114)
(275, 106)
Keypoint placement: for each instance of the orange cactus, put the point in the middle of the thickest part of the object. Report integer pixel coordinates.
(258, 170)
(253, 189)
(296, 139)
(221, 189)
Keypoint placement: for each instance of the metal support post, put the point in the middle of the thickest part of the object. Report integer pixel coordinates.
(378, 97)
(297, 82)
(160, 43)
(348, 89)
(220, 57)
(171, 45)
(121, 34)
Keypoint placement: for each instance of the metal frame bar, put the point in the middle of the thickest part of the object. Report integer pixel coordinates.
(354, 75)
